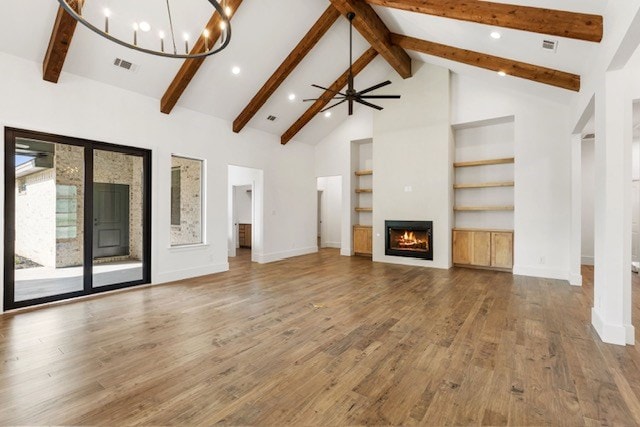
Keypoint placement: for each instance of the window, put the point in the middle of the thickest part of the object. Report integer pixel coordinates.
(66, 211)
(186, 201)
(175, 196)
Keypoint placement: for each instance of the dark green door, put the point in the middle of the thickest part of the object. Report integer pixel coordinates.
(110, 220)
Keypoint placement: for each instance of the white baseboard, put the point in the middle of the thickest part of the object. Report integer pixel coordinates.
(587, 260)
(189, 273)
(335, 245)
(575, 279)
(278, 256)
(545, 273)
(610, 333)
(346, 251)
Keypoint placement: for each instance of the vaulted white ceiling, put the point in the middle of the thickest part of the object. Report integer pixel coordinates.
(264, 32)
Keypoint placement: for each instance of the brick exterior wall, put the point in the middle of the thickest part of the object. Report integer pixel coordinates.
(36, 206)
(189, 231)
(35, 217)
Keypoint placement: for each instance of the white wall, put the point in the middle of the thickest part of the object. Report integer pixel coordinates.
(412, 162)
(83, 108)
(588, 189)
(331, 211)
(333, 158)
(542, 195)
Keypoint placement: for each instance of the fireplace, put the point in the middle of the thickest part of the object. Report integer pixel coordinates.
(413, 239)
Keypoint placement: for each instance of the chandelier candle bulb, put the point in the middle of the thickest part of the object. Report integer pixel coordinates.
(107, 14)
(205, 34)
(161, 35)
(186, 43)
(135, 34)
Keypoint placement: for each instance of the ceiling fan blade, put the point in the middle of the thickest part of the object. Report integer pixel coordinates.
(374, 87)
(315, 99)
(351, 107)
(368, 104)
(334, 105)
(329, 90)
(380, 97)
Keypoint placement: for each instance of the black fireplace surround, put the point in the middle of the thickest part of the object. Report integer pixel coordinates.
(413, 239)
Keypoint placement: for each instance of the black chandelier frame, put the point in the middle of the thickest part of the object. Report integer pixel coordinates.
(200, 55)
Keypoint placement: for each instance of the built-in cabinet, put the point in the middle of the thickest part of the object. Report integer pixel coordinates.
(363, 240)
(362, 153)
(244, 235)
(484, 195)
(483, 248)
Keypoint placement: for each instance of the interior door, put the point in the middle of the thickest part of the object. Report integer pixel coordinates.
(110, 220)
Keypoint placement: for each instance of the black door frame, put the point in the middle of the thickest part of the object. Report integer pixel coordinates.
(11, 134)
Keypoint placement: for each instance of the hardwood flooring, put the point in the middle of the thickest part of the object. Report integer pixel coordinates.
(320, 340)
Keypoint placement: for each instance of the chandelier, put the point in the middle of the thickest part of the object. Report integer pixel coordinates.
(172, 49)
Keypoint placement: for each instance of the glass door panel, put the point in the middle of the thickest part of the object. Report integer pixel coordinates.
(48, 219)
(118, 218)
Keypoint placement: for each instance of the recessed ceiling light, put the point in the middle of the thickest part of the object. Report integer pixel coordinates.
(502, 73)
(292, 97)
(495, 35)
(144, 26)
(327, 114)
(235, 70)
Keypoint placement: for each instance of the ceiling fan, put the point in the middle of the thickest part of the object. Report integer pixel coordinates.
(351, 95)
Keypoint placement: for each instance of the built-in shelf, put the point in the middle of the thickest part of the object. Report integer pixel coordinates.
(482, 208)
(364, 209)
(484, 162)
(364, 172)
(484, 185)
(364, 190)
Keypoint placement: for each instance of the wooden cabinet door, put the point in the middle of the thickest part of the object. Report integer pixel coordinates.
(502, 249)
(247, 235)
(462, 241)
(362, 240)
(481, 249)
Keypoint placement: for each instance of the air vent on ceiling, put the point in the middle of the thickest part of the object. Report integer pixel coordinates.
(272, 118)
(550, 45)
(129, 66)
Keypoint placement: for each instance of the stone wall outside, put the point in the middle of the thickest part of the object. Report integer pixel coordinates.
(35, 217)
(189, 231)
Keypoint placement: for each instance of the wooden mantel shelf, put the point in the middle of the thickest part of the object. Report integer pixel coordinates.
(364, 172)
(485, 185)
(484, 162)
(482, 208)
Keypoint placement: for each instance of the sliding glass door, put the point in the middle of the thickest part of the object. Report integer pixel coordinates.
(77, 217)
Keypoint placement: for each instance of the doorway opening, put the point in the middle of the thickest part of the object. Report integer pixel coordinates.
(77, 217)
(245, 214)
(329, 220)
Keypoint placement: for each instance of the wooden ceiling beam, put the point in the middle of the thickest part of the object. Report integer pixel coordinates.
(494, 63)
(59, 43)
(313, 36)
(191, 66)
(327, 96)
(369, 24)
(581, 26)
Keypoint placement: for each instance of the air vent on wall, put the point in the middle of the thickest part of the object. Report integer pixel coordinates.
(272, 118)
(125, 64)
(550, 45)
(589, 136)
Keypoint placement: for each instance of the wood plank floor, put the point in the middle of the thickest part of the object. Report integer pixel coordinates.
(320, 340)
